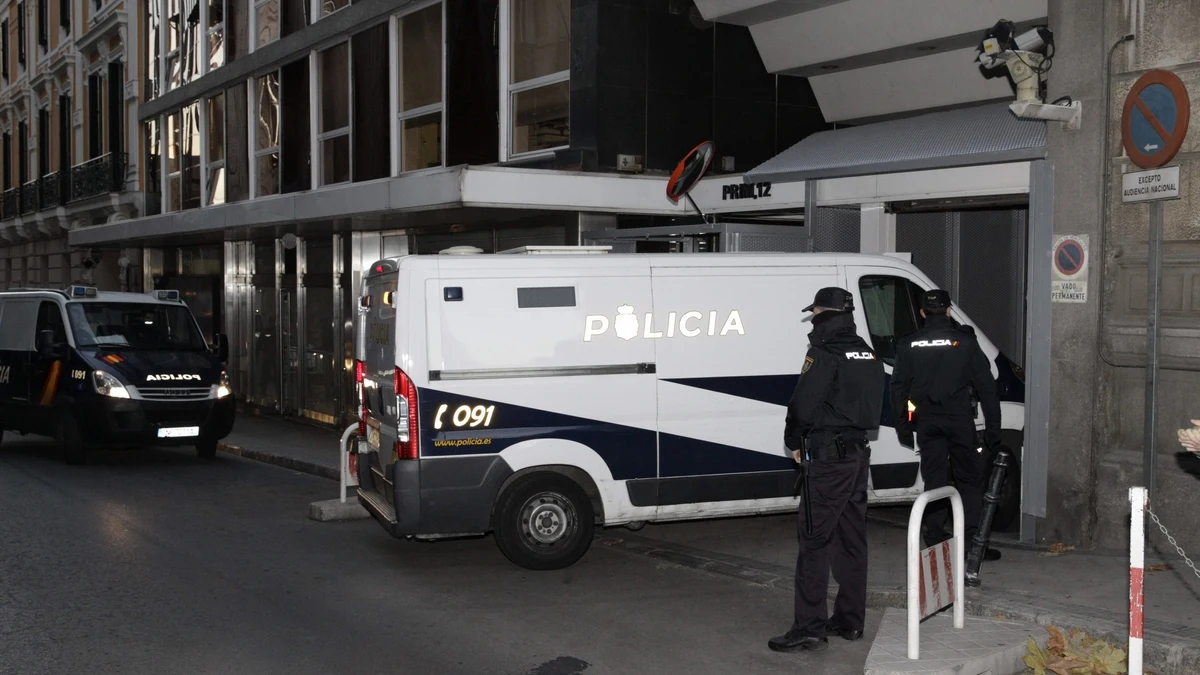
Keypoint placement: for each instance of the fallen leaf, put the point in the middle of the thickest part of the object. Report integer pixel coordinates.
(1057, 550)
(1158, 568)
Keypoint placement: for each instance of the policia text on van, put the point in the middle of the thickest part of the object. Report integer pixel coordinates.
(537, 396)
(98, 368)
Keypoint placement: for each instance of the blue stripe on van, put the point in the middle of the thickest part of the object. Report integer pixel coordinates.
(773, 389)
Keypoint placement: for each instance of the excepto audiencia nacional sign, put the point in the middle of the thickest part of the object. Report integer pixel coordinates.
(1150, 186)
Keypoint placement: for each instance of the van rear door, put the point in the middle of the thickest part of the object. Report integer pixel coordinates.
(378, 340)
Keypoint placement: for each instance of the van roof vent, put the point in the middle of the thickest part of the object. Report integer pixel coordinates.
(558, 250)
(460, 250)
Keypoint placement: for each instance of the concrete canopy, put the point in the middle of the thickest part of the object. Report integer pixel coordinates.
(867, 59)
(986, 134)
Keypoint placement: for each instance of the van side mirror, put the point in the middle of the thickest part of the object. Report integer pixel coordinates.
(48, 348)
(220, 347)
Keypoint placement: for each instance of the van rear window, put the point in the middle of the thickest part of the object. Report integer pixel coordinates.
(546, 296)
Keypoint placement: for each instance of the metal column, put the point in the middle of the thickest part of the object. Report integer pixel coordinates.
(1038, 308)
(1154, 282)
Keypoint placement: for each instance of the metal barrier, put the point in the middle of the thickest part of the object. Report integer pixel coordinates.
(917, 558)
(345, 478)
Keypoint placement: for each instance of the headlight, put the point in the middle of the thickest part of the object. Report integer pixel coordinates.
(223, 388)
(108, 385)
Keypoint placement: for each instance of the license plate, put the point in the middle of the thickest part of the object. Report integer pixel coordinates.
(373, 437)
(179, 432)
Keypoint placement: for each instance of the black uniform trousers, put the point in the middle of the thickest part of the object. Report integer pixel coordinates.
(839, 538)
(947, 443)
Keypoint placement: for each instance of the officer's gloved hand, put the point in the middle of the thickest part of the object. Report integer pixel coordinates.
(991, 438)
(905, 435)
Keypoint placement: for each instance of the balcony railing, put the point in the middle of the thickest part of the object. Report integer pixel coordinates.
(12, 202)
(29, 197)
(55, 188)
(98, 176)
(94, 177)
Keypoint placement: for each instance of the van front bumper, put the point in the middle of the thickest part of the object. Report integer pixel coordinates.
(108, 420)
(440, 496)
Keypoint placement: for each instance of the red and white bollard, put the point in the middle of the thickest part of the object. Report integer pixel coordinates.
(1137, 576)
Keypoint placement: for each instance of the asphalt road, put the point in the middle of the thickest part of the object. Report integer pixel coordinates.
(157, 562)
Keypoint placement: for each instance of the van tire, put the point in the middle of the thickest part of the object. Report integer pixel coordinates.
(1008, 510)
(563, 511)
(206, 448)
(70, 441)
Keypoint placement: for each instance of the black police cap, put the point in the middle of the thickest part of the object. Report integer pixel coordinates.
(838, 299)
(935, 300)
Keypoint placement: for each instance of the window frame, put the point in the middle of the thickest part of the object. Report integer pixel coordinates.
(168, 53)
(43, 25)
(315, 9)
(167, 136)
(320, 137)
(4, 45)
(509, 90)
(208, 32)
(399, 117)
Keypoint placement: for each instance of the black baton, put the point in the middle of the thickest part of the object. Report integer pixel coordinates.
(802, 488)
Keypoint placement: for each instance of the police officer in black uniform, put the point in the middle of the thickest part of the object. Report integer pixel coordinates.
(838, 400)
(936, 367)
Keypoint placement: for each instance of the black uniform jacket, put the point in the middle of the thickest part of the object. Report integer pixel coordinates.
(934, 368)
(841, 385)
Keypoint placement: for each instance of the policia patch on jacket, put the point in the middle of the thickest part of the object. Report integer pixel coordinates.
(808, 361)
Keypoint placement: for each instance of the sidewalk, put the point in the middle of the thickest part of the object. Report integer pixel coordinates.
(1077, 589)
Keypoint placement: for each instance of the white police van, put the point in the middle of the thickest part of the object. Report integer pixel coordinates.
(541, 395)
(92, 368)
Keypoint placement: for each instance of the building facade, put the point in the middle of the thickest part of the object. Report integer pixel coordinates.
(282, 145)
(67, 106)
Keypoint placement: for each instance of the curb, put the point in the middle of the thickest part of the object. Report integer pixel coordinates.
(280, 460)
(1171, 649)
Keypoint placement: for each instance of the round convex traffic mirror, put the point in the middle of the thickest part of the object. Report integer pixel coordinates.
(690, 170)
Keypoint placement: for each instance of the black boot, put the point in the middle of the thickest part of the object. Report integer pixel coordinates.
(798, 642)
(834, 628)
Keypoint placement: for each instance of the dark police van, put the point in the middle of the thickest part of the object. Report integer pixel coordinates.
(91, 368)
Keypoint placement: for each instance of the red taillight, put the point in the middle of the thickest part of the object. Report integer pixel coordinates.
(362, 397)
(406, 397)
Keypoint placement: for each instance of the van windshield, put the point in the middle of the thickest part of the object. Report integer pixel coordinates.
(133, 325)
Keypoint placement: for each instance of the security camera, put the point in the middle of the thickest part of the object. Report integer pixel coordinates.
(1028, 57)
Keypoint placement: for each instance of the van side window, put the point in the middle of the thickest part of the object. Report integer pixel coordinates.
(890, 304)
(546, 296)
(15, 323)
(50, 318)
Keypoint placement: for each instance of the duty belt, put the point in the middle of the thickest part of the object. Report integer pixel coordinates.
(829, 448)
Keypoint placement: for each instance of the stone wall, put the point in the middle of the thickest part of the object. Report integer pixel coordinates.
(1097, 455)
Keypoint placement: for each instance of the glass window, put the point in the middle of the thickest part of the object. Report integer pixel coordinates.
(420, 104)
(334, 113)
(890, 304)
(215, 178)
(150, 67)
(190, 149)
(540, 38)
(328, 7)
(266, 135)
(216, 34)
(541, 118)
(539, 74)
(50, 318)
(266, 21)
(152, 167)
(174, 162)
(139, 326)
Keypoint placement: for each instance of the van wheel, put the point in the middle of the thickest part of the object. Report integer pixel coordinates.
(70, 442)
(206, 448)
(1008, 510)
(544, 521)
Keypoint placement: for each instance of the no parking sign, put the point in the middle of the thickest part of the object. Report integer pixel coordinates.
(1070, 257)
